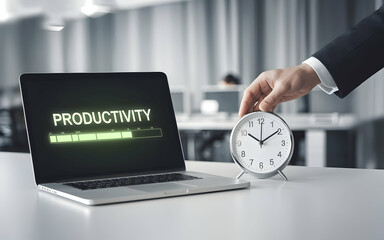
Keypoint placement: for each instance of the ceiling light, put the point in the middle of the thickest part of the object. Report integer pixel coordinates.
(95, 9)
(55, 28)
(55, 24)
(4, 12)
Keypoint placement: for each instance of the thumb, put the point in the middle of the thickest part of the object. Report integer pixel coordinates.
(271, 101)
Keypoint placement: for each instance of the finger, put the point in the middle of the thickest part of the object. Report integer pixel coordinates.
(257, 108)
(257, 105)
(271, 101)
(250, 97)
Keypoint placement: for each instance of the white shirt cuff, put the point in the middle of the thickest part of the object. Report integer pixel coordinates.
(327, 84)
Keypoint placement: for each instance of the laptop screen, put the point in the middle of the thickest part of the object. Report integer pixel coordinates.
(86, 125)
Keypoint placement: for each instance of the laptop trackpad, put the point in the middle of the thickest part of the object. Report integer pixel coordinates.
(161, 187)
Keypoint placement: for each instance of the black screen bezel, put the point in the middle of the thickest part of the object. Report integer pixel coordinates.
(39, 78)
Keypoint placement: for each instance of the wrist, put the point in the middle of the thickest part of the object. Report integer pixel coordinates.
(310, 75)
(327, 83)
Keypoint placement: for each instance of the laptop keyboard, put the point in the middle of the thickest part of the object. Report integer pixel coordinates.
(128, 181)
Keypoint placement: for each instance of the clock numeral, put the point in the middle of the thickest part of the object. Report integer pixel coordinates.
(261, 165)
(282, 142)
(239, 143)
(243, 153)
(261, 120)
(271, 162)
(250, 123)
(272, 123)
(279, 154)
(244, 133)
(279, 131)
(251, 161)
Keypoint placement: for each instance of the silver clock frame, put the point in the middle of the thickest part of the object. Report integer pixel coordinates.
(268, 174)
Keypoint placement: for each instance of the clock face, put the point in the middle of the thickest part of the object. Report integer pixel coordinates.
(262, 143)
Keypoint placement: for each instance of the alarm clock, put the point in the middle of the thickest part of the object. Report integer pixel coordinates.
(262, 144)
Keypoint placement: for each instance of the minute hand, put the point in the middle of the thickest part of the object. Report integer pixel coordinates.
(270, 136)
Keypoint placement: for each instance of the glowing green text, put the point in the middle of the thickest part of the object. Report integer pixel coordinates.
(107, 117)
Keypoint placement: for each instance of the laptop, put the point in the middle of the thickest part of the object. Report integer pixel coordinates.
(100, 138)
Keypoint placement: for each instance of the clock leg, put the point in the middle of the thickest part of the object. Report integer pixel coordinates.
(282, 175)
(240, 174)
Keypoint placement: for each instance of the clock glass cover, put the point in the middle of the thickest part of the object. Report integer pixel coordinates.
(262, 143)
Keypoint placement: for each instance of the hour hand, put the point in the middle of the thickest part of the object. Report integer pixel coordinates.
(253, 137)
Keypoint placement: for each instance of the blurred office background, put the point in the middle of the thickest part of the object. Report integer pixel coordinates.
(197, 43)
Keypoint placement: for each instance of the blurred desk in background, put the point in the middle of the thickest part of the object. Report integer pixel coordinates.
(321, 133)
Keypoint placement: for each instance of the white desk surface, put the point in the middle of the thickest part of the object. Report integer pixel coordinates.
(316, 203)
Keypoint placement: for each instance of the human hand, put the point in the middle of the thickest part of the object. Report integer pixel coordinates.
(275, 86)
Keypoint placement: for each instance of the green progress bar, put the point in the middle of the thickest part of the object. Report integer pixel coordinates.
(103, 136)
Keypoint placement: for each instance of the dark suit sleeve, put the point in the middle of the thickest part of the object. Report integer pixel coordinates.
(355, 55)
